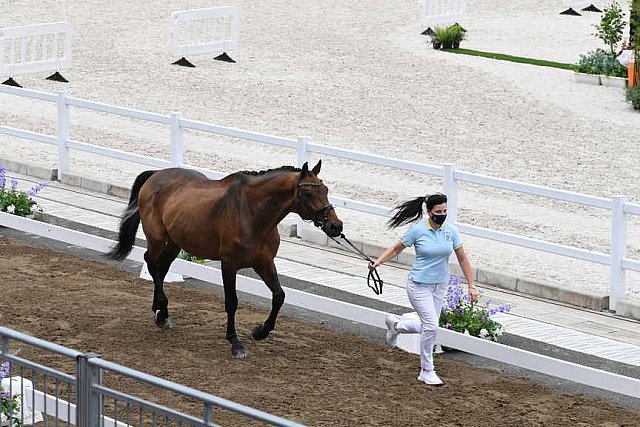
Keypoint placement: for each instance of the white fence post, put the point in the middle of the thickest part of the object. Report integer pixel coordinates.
(177, 146)
(303, 154)
(450, 188)
(618, 251)
(63, 135)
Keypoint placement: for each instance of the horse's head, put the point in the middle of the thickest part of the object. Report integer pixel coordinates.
(312, 202)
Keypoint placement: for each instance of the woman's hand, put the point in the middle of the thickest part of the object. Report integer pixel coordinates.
(373, 264)
(473, 293)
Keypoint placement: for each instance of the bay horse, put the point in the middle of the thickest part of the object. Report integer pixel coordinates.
(233, 220)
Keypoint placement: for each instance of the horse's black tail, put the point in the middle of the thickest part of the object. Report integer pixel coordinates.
(130, 221)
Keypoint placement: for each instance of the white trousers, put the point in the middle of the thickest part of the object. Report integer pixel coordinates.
(427, 300)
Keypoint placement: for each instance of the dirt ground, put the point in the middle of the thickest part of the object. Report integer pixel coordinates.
(303, 371)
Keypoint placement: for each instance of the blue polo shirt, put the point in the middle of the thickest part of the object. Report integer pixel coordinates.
(433, 247)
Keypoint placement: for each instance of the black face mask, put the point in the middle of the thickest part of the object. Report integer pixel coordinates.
(438, 219)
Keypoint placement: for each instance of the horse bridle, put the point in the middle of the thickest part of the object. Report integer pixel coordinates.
(373, 275)
(323, 211)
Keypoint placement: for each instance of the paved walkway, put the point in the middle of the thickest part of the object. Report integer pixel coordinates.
(583, 331)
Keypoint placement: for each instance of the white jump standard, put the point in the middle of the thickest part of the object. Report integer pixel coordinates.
(211, 30)
(35, 48)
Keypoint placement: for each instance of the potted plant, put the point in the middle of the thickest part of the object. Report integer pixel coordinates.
(448, 37)
(461, 315)
(9, 404)
(588, 67)
(17, 202)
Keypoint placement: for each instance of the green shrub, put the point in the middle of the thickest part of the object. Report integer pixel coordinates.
(601, 62)
(188, 257)
(611, 26)
(634, 22)
(633, 96)
(448, 37)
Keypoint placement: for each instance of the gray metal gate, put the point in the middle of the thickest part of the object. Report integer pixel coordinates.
(48, 395)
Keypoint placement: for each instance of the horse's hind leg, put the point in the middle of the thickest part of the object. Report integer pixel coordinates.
(230, 306)
(269, 274)
(158, 268)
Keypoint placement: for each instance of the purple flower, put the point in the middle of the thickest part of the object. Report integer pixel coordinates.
(4, 370)
(37, 188)
(3, 177)
(448, 326)
(14, 183)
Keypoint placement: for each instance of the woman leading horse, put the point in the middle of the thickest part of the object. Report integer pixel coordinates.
(233, 220)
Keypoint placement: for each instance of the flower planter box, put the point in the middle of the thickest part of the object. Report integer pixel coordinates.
(593, 79)
(620, 82)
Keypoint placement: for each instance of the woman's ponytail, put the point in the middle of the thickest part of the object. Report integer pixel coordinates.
(407, 212)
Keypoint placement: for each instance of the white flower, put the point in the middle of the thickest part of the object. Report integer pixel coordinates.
(11, 209)
(483, 333)
(466, 332)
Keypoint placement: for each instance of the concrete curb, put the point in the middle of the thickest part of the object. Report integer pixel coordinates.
(538, 288)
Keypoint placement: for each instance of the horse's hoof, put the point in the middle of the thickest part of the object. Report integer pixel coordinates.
(238, 352)
(162, 323)
(258, 333)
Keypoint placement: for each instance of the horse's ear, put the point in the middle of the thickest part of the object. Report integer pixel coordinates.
(316, 168)
(305, 170)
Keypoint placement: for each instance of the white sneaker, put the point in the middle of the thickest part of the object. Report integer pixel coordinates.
(392, 334)
(429, 377)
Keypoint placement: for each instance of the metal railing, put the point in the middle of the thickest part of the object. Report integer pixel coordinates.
(618, 207)
(90, 395)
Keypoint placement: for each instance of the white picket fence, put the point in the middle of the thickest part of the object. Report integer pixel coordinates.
(617, 207)
(211, 30)
(351, 312)
(35, 48)
(442, 13)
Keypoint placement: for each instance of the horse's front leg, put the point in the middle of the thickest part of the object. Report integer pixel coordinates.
(269, 274)
(230, 306)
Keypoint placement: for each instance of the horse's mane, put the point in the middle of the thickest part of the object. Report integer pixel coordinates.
(269, 171)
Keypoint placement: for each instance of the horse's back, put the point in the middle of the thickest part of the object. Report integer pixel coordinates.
(185, 205)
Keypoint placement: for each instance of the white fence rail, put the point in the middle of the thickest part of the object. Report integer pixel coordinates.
(351, 312)
(618, 207)
(35, 48)
(440, 13)
(210, 30)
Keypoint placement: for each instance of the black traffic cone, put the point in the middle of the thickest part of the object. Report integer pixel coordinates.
(11, 82)
(184, 62)
(427, 32)
(571, 12)
(224, 57)
(591, 8)
(57, 77)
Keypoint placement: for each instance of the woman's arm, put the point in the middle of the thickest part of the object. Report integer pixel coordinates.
(389, 253)
(463, 260)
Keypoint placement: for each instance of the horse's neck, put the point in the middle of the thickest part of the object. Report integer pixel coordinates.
(270, 199)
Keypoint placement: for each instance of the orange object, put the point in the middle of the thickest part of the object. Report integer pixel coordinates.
(631, 73)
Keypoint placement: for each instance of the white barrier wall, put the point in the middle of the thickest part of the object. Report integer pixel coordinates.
(441, 13)
(35, 48)
(211, 30)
